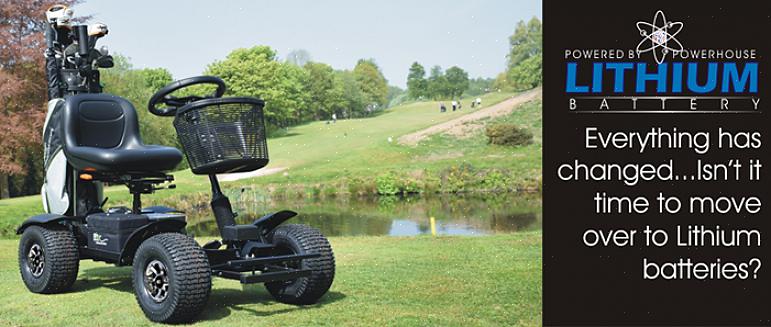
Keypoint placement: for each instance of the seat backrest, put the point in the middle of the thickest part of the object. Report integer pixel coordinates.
(99, 120)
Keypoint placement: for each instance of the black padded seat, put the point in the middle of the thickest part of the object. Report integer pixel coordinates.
(101, 131)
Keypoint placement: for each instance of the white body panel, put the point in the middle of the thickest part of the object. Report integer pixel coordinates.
(54, 191)
(51, 106)
(55, 197)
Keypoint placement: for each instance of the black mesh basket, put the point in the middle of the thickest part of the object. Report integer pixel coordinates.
(223, 135)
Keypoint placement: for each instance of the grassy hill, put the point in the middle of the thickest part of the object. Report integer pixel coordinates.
(349, 156)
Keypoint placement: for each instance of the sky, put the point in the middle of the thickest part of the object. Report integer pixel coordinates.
(186, 36)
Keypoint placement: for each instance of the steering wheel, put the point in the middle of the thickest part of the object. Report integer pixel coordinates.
(163, 96)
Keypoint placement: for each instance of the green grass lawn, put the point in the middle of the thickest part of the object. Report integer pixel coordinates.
(319, 155)
(320, 152)
(415, 281)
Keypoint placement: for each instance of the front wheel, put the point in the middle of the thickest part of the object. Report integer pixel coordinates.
(301, 239)
(48, 259)
(172, 278)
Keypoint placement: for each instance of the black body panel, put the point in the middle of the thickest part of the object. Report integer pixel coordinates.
(43, 219)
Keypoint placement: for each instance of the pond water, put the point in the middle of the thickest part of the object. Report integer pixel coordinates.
(393, 216)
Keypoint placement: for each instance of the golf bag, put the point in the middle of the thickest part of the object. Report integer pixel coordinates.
(70, 56)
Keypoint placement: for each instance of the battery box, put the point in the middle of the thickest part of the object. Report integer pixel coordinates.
(109, 232)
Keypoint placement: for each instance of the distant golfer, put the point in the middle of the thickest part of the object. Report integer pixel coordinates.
(454, 105)
(473, 103)
(334, 117)
(442, 108)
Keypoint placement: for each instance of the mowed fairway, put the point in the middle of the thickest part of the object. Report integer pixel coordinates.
(417, 281)
(319, 151)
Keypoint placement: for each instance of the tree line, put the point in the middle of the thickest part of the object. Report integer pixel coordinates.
(297, 90)
(439, 84)
(524, 61)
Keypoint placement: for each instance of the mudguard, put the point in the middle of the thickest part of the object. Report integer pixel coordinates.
(44, 219)
(138, 236)
(269, 222)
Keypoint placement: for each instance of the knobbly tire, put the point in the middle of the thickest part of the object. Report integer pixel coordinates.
(301, 239)
(171, 278)
(48, 259)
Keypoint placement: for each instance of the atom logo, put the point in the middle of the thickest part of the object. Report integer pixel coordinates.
(659, 36)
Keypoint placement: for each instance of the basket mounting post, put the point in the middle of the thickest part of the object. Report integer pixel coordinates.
(215, 185)
(220, 204)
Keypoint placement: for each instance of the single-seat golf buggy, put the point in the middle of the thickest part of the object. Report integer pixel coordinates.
(93, 138)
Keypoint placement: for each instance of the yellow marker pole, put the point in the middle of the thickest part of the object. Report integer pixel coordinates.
(433, 226)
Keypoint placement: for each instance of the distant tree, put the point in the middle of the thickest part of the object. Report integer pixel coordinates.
(526, 42)
(22, 85)
(525, 64)
(255, 72)
(501, 81)
(479, 86)
(457, 81)
(527, 74)
(156, 78)
(393, 93)
(371, 82)
(324, 95)
(299, 57)
(417, 85)
(437, 83)
(293, 95)
(354, 101)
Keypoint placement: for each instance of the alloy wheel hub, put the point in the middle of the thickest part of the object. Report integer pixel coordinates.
(157, 281)
(36, 260)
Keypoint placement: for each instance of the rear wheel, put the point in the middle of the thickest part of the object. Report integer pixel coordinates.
(172, 278)
(48, 259)
(301, 239)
